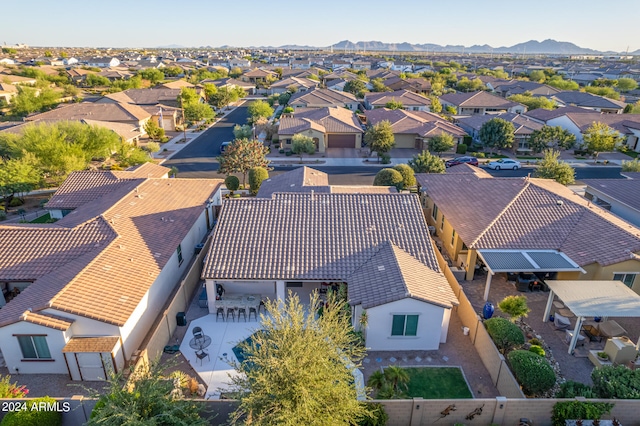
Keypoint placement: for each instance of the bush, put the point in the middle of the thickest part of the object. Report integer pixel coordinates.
(389, 177)
(15, 202)
(514, 306)
(533, 372)
(11, 390)
(480, 155)
(377, 415)
(461, 149)
(578, 410)
(281, 151)
(152, 147)
(256, 176)
(616, 382)
(34, 416)
(385, 158)
(504, 333)
(535, 341)
(537, 350)
(3, 215)
(571, 389)
(408, 175)
(288, 153)
(232, 183)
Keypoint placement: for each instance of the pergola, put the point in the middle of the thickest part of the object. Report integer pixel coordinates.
(497, 260)
(593, 299)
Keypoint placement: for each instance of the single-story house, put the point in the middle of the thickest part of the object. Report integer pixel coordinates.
(110, 111)
(413, 129)
(231, 83)
(7, 92)
(320, 98)
(257, 75)
(80, 295)
(378, 244)
(528, 225)
(410, 101)
(590, 101)
(519, 87)
(332, 127)
(301, 85)
(417, 85)
(619, 196)
(479, 103)
(524, 127)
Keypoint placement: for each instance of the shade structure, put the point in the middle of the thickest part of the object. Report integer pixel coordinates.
(527, 261)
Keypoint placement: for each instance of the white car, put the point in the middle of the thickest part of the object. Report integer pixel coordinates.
(504, 163)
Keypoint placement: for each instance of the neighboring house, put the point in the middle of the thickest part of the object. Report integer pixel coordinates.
(81, 294)
(337, 84)
(117, 112)
(319, 98)
(413, 129)
(231, 83)
(258, 75)
(238, 63)
(176, 84)
(116, 74)
(301, 64)
(7, 92)
(524, 127)
(480, 103)
(417, 85)
(78, 75)
(528, 225)
(519, 87)
(129, 133)
(378, 244)
(333, 127)
(105, 62)
(17, 80)
(338, 75)
(7, 61)
(619, 196)
(590, 101)
(301, 85)
(70, 61)
(410, 101)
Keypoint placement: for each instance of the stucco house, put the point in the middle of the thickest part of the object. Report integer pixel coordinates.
(319, 98)
(530, 225)
(301, 85)
(378, 244)
(333, 127)
(620, 196)
(111, 111)
(80, 295)
(413, 129)
(523, 126)
(589, 101)
(410, 101)
(479, 103)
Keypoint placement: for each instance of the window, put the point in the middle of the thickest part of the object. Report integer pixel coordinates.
(179, 251)
(442, 223)
(453, 237)
(404, 325)
(34, 347)
(628, 279)
(434, 214)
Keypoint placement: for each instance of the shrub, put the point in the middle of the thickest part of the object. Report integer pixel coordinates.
(232, 183)
(11, 390)
(504, 333)
(574, 410)
(281, 151)
(571, 389)
(256, 176)
(152, 147)
(480, 155)
(514, 306)
(616, 382)
(537, 350)
(34, 416)
(376, 415)
(461, 149)
(15, 202)
(288, 153)
(385, 158)
(533, 372)
(408, 175)
(388, 177)
(3, 215)
(535, 341)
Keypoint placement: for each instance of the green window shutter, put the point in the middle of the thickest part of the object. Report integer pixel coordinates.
(412, 325)
(397, 329)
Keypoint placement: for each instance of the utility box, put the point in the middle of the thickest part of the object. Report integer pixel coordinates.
(181, 318)
(620, 350)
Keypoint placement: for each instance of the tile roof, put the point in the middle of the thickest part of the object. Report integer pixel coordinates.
(522, 125)
(327, 236)
(406, 97)
(514, 213)
(468, 169)
(477, 100)
(545, 115)
(91, 344)
(93, 111)
(48, 320)
(322, 97)
(295, 81)
(392, 274)
(587, 100)
(126, 131)
(421, 123)
(151, 96)
(327, 119)
(625, 191)
(296, 180)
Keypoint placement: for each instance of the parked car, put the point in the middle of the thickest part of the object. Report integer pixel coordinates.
(505, 163)
(462, 160)
(224, 146)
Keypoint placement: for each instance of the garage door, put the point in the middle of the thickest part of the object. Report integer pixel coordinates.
(342, 141)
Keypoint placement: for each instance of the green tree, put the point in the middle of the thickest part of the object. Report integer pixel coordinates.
(256, 176)
(389, 177)
(398, 378)
(538, 76)
(94, 80)
(223, 97)
(378, 85)
(607, 92)
(17, 176)
(315, 355)
(627, 84)
(559, 83)
(497, 134)
(242, 155)
(284, 97)
(150, 398)
(188, 96)
(441, 143)
(394, 104)
(154, 131)
(550, 167)
(235, 72)
(554, 137)
(466, 85)
(514, 306)
(631, 166)
(436, 106)
(197, 112)
(379, 138)
(30, 100)
(257, 110)
(533, 102)
(210, 90)
(301, 144)
(451, 110)
(232, 183)
(408, 175)
(154, 75)
(242, 132)
(356, 87)
(426, 163)
(601, 138)
(129, 155)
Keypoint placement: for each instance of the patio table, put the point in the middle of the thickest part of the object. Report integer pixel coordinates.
(200, 342)
(611, 328)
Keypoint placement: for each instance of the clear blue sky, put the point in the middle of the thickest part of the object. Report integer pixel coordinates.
(601, 25)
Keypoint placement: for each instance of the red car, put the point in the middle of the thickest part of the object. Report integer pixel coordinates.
(462, 160)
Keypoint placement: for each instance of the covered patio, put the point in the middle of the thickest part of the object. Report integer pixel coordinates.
(597, 299)
(514, 261)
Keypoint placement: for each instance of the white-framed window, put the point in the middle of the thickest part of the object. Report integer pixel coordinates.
(34, 347)
(404, 325)
(434, 214)
(627, 278)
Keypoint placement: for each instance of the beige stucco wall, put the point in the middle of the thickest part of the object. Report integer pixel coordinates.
(405, 141)
(597, 272)
(322, 139)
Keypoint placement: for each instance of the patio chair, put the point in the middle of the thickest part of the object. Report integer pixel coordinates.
(255, 312)
(569, 335)
(201, 355)
(220, 311)
(561, 322)
(197, 333)
(242, 311)
(232, 312)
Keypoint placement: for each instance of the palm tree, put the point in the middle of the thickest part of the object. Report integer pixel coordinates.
(397, 377)
(377, 380)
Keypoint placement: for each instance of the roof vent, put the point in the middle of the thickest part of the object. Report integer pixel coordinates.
(559, 202)
(381, 268)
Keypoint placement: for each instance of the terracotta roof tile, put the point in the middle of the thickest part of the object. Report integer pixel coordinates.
(625, 191)
(333, 119)
(94, 111)
(48, 320)
(477, 100)
(406, 97)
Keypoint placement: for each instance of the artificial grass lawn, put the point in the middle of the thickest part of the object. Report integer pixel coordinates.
(437, 383)
(42, 219)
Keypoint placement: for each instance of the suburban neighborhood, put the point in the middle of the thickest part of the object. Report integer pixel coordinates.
(357, 234)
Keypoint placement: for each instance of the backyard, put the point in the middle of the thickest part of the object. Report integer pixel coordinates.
(437, 383)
